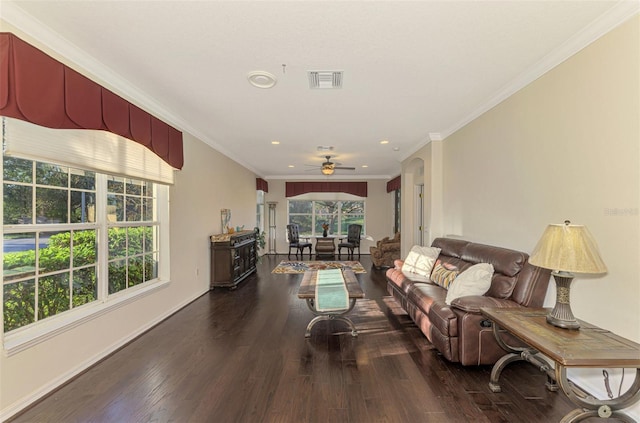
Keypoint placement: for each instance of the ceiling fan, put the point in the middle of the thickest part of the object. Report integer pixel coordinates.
(328, 167)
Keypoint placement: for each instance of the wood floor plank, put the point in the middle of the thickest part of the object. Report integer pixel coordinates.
(242, 357)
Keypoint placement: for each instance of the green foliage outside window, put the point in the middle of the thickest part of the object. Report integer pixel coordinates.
(55, 270)
(310, 215)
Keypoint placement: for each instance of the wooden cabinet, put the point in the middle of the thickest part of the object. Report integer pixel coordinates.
(233, 258)
(325, 246)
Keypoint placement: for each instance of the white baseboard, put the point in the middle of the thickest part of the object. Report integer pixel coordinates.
(26, 401)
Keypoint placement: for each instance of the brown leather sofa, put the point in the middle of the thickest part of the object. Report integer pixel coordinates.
(386, 251)
(458, 330)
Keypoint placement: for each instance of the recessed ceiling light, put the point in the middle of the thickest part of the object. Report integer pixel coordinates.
(291, 166)
(384, 142)
(365, 165)
(396, 148)
(261, 79)
(325, 148)
(275, 142)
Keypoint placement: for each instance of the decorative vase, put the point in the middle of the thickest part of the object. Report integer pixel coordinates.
(324, 233)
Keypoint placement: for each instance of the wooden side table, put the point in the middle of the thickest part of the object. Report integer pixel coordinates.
(590, 346)
(325, 246)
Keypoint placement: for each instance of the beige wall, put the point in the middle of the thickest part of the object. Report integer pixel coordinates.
(564, 147)
(423, 168)
(208, 182)
(379, 212)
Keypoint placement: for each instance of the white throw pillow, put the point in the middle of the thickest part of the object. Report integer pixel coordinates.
(476, 280)
(420, 260)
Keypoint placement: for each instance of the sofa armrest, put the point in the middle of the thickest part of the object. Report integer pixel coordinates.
(473, 303)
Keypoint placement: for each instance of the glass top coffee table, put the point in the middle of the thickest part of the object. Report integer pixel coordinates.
(330, 295)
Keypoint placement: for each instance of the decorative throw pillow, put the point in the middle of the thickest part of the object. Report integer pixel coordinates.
(476, 280)
(443, 276)
(420, 260)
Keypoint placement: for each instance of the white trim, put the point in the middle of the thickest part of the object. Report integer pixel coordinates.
(27, 337)
(17, 17)
(24, 402)
(617, 15)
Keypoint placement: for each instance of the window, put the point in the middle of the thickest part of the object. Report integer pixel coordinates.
(133, 233)
(310, 215)
(56, 220)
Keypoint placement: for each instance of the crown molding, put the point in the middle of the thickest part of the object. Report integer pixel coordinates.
(614, 17)
(333, 178)
(80, 60)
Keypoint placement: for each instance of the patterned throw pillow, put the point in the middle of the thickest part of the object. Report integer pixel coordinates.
(420, 260)
(443, 276)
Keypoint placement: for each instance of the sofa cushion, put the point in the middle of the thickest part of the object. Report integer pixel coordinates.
(505, 261)
(420, 260)
(398, 279)
(501, 286)
(443, 275)
(476, 280)
(423, 295)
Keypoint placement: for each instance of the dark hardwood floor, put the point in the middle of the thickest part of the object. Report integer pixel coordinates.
(241, 356)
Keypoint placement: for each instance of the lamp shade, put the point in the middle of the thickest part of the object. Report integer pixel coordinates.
(327, 169)
(568, 248)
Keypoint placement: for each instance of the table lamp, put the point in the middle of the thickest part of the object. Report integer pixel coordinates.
(565, 249)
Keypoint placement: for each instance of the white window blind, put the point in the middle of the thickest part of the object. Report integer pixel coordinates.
(89, 149)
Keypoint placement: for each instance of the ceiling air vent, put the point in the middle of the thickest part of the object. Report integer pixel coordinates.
(325, 79)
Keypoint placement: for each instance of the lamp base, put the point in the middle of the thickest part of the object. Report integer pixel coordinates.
(561, 315)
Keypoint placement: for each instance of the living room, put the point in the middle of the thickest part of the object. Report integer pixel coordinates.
(563, 147)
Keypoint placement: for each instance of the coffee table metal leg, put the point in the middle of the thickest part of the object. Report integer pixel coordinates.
(323, 315)
(354, 331)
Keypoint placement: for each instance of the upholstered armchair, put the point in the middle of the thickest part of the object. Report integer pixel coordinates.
(385, 252)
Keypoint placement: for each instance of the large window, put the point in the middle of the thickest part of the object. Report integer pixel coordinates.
(310, 215)
(72, 237)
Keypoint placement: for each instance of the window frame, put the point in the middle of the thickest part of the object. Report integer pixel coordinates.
(24, 337)
(315, 216)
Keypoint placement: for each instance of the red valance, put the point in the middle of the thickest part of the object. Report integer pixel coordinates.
(394, 184)
(36, 88)
(296, 188)
(262, 185)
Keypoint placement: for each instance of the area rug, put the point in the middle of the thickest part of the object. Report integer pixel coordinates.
(302, 266)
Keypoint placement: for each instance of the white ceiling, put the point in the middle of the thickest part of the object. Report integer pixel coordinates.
(413, 71)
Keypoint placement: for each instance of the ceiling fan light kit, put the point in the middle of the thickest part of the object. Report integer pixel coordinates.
(328, 167)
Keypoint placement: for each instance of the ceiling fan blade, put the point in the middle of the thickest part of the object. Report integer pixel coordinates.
(344, 168)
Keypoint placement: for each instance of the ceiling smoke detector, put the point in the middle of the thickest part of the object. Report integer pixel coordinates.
(325, 79)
